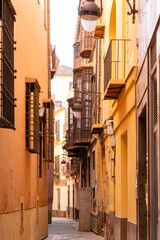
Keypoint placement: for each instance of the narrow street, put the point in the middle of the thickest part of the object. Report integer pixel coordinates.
(67, 229)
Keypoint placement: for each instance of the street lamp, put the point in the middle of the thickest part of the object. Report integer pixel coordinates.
(63, 159)
(89, 13)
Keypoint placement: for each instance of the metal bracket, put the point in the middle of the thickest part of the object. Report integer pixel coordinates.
(133, 10)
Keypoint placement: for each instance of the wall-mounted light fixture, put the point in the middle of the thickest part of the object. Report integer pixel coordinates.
(63, 159)
(89, 13)
(132, 10)
(77, 107)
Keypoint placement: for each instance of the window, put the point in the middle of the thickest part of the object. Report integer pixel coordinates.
(93, 196)
(42, 137)
(57, 158)
(64, 129)
(48, 136)
(7, 100)
(58, 103)
(32, 115)
(89, 178)
(58, 195)
(57, 130)
(93, 157)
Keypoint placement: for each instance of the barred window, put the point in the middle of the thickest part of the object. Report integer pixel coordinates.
(32, 115)
(48, 136)
(7, 64)
(57, 161)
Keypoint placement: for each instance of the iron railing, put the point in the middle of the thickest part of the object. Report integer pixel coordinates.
(6, 65)
(115, 61)
(74, 164)
(96, 96)
(82, 86)
(48, 135)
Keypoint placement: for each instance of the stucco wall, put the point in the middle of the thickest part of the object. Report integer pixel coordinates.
(33, 229)
(19, 169)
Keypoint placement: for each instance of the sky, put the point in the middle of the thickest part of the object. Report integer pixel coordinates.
(63, 24)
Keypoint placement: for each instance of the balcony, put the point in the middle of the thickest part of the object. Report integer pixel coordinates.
(55, 63)
(86, 43)
(67, 169)
(115, 69)
(99, 31)
(74, 165)
(79, 127)
(78, 60)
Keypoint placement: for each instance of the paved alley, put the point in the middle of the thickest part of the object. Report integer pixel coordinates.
(67, 229)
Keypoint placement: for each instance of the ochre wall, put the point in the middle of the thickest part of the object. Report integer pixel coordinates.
(19, 169)
(125, 127)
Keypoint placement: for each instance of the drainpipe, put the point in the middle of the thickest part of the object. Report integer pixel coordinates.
(100, 80)
(49, 49)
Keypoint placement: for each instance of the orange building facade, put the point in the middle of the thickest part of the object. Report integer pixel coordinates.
(26, 119)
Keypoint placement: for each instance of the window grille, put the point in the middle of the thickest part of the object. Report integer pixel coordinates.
(7, 100)
(32, 115)
(115, 61)
(93, 158)
(86, 43)
(48, 137)
(70, 122)
(82, 87)
(155, 100)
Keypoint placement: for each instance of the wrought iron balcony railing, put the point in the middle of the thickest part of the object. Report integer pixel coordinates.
(74, 164)
(115, 68)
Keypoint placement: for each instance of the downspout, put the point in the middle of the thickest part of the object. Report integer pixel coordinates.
(100, 82)
(49, 49)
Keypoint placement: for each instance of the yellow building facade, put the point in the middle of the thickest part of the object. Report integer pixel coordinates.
(115, 143)
(108, 156)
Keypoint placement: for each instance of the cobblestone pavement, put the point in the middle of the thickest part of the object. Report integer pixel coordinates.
(66, 229)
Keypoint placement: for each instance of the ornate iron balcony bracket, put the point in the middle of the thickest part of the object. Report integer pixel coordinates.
(133, 10)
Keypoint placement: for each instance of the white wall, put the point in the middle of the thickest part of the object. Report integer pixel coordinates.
(60, 87)
(63, 199)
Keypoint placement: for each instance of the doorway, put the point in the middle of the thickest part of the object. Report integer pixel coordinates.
(142, 183)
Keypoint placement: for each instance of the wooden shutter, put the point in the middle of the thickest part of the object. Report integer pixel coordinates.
(32, 115)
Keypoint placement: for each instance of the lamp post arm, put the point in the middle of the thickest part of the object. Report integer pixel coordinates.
(132, 10)
(129, 13)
